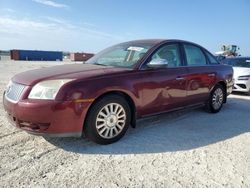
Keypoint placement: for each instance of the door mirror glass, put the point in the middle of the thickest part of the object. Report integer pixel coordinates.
(166, 56)
(158, 63)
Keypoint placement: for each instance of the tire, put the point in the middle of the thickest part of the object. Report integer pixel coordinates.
(216, 99)
(107, 120)
(248, 93)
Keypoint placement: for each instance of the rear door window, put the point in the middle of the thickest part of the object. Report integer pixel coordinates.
(194, 55)
(211, 58)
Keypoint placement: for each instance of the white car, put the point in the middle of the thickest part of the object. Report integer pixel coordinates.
(241, 66)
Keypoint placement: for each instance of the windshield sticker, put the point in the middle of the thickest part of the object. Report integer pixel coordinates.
(133, 48)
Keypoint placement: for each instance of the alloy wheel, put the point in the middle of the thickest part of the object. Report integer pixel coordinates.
(110, 120)
(217, 98)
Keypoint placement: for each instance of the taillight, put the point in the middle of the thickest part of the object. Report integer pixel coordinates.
(247, 77)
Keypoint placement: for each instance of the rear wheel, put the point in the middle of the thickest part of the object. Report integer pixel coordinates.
(216, 100)
(108, 120)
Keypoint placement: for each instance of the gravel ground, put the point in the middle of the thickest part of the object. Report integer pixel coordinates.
(189, 148)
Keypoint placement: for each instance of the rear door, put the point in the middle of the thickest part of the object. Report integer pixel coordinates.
(201, 76)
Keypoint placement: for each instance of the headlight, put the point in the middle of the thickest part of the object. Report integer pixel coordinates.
(247, 77)
(47, 89)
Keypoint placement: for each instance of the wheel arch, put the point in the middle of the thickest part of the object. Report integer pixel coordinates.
(126, 96)
(224, 85)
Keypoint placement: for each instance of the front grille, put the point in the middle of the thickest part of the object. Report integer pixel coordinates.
(14, 91)
(242, 86)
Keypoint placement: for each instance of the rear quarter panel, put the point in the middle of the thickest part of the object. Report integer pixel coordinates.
(225, 74)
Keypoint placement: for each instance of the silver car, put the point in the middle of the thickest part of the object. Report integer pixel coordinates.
(241, 66)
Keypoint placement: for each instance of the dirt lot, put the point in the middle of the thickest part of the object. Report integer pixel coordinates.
(183, 149)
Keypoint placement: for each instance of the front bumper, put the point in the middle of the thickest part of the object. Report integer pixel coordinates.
(242, 85)
(47, 117)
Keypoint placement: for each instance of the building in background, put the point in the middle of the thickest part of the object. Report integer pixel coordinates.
(36, 55)
(80, 56)
(4, 55)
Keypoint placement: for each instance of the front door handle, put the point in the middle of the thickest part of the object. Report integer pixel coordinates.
(211, 75)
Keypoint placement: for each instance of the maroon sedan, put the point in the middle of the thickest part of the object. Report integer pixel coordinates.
(118, 85)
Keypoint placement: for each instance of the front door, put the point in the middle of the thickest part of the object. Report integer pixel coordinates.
(164, 88)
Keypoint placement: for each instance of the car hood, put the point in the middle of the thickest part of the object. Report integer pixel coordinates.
(72, 71)
(241, 71)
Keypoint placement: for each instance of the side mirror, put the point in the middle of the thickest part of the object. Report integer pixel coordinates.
(158, 63)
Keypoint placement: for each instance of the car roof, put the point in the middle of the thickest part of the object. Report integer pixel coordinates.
(158, 41)
(145, 41)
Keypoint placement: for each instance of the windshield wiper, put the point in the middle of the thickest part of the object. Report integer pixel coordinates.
(100, 64)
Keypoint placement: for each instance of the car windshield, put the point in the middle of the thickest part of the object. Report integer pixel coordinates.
(238, 62)
(122, 55)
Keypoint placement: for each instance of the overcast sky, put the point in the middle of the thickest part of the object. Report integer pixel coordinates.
(79, 25)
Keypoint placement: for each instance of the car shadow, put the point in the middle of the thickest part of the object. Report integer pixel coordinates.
(175, 131)
(240, 93)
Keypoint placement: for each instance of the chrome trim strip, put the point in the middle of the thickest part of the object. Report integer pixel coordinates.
(74, 134)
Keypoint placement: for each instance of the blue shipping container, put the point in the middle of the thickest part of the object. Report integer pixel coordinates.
(35, 55)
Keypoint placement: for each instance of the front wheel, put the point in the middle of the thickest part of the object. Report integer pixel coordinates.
(107, 120)
(216, 100)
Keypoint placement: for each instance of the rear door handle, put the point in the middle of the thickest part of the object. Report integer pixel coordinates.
(211, 75)
(180, 78)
